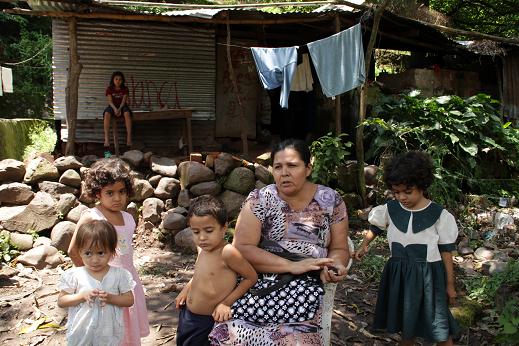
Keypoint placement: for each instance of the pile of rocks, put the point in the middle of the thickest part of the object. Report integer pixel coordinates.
(42, 200)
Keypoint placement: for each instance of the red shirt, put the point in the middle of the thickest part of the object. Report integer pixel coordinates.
(117, 95)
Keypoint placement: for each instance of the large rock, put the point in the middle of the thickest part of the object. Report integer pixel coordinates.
(142, 189)
(223, 164)
(167, 188)
(62, 234)
(241, 180)
(184, 239)
(11, 170)
(154, 180)
(164, 166)
(66, 202)
(7, 213)
(259, 185)
(133, 210)
(67, 162)
(84, 197)
(194, 172)
(40, 257)
(56, 189)
(40, 169)
(88, 160)
(184, 198)
(71, 178)
(263, 174)
(483, 254)
(21, 241)
(75, 214)
(39, 215)
(233, 202)
(174, 221)
(263, 159)
(134, 157)
(206, 188)
(151, 210)
(15, 194)
(370, 174)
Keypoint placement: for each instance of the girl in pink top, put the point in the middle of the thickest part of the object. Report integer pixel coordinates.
(109, 181)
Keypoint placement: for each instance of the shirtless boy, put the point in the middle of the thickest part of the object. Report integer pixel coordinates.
(208, 296)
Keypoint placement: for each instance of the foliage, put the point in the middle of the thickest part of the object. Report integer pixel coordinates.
(509, 323)
(329, 152)
(485, 288)
(370, 268)
(7, 250)
(19, 138)
(42, 139)
(23, 38)
(497, 17)
(466, 138)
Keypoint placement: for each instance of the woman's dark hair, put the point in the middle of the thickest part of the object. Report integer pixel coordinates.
(207, 205)
(414, 168)
(296, 144)
(117, 73)
(97, 233)
(107, 172)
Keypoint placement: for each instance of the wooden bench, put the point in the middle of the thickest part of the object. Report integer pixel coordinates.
(166, 114)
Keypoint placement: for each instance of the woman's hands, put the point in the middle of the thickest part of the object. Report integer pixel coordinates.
(333, 273)
(308, 265)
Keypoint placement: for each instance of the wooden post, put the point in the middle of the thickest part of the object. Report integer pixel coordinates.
(243, 122)
(338, 111)
(71, 91)
(359, 137)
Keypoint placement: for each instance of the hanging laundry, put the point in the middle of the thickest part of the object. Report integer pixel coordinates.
(339, 61)
(303, 80)
(7, 80)
(276, 68)
(1, 93)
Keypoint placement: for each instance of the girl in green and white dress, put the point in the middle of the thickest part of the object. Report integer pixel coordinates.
(417, 284)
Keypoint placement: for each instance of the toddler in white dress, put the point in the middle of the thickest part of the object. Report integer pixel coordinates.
(95, 293)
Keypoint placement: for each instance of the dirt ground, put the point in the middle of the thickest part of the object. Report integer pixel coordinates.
(28, 300)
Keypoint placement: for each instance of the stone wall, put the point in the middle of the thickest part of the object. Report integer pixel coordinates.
(45, 198)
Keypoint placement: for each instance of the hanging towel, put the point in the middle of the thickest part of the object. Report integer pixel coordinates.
(1, 93)
(303, 80)
(276, 68)
(339, 61)
(7, 80)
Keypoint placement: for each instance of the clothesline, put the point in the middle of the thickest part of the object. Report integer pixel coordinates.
(32, 57)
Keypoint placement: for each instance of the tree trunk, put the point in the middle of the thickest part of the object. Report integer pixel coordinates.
(72, 92)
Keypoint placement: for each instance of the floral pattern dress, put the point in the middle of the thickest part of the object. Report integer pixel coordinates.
(304, 232)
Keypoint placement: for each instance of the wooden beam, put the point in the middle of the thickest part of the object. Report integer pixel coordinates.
(72, 89)
(359, 137)
(338, 112)
(232, 76)
(169, 19)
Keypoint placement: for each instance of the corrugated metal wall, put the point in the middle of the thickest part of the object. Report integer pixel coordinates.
(164, 66)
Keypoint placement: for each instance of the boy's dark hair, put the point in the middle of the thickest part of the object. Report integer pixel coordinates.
(97, 233)
(207, 205)
(414, 168)
(117, 73)
(298, 145)
(106, 172)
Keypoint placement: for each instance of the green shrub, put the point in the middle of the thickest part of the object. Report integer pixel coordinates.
(466, 139)
(19, 138)
(328, 152)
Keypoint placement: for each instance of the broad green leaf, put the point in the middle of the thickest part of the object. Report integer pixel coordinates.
(443, 99)
(470, 148)
(453, 138)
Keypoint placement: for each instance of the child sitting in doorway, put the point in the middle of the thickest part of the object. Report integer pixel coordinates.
(208, 296)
